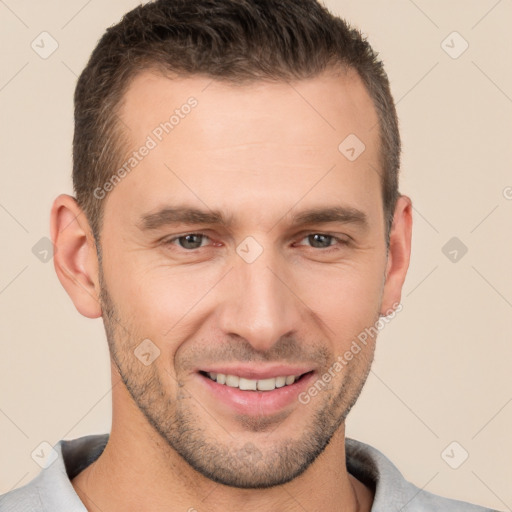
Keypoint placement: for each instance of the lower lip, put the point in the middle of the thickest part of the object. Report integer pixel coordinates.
(257, 403)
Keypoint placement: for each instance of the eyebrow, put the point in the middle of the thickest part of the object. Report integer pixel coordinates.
(184, 215)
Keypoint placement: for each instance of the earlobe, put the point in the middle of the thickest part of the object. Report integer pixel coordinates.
(399, 254)
(75, 257)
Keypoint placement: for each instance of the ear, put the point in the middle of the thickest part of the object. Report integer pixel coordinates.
(399, 254)
(75, 258)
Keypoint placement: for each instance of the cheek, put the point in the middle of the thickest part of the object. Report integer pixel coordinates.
(160, 300)
(346, 298)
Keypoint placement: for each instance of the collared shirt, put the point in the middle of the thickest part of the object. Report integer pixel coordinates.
(51, 490)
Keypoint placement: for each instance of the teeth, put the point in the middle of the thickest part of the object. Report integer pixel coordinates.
(247, 384)
(234, 381)
(280, 382)
(266, 384)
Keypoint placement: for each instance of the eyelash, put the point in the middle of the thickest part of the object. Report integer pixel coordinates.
(338, 240)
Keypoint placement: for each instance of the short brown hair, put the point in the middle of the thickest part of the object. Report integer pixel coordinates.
(229, 40)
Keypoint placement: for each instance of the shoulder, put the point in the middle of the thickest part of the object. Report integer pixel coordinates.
(23, 499)
(392, 490)
(51, 490)
(432, 502)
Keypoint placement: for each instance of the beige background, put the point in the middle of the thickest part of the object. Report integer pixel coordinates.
(442, 369)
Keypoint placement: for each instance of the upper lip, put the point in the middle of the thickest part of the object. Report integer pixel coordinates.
(258, 373)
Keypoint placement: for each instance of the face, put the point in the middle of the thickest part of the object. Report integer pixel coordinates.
(249, 253)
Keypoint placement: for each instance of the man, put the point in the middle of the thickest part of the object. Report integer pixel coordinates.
(238, 226)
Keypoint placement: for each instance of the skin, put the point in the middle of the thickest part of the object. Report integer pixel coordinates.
(260, 154)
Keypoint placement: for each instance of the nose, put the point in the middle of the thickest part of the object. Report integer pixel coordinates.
(260, 305)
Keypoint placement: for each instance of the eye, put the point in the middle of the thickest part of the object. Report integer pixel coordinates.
(323, 241)
(189, 241)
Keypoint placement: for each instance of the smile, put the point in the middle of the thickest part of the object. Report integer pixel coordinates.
(250, 390)
(234, 381)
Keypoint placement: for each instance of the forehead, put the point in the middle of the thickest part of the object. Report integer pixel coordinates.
(326, 105)
(248, 146)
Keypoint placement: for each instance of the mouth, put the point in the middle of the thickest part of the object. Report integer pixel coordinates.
(245, 384)
(255, 392)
